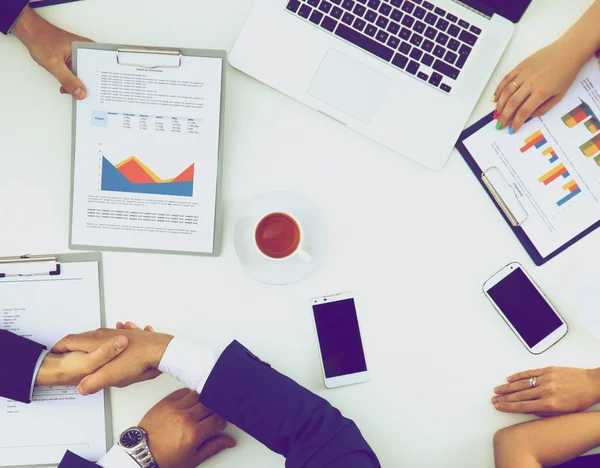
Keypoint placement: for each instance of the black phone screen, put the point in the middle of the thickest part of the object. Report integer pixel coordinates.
(339, 338)
(524, 307)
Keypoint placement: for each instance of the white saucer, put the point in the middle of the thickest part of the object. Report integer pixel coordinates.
(287, 270)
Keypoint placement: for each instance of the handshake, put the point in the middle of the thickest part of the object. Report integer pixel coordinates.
(182, 433)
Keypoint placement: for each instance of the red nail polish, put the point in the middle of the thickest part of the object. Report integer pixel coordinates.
(495, 116)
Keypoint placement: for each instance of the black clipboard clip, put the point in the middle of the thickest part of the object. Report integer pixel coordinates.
(26, 265)
(171, 58)
(505, 196)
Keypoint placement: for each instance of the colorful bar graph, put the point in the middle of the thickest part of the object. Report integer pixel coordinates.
(591, 147)
(593, 125)
(577, 115)
(553, 159)
(537, 139)
(597, 159)
(573, 189)
(549, 151)
(553, 174)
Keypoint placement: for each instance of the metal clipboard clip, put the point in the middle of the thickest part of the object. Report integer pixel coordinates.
(505, 196)
(171, 58)
(26, 265)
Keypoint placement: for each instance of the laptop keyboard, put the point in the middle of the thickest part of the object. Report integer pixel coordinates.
(415, 36)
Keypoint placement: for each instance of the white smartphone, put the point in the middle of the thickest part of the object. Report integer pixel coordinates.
(343, 358)
(525, 308)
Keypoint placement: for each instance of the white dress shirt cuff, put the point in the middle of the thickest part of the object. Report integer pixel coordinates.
(117, 458)
(36, 371)
(189, 363)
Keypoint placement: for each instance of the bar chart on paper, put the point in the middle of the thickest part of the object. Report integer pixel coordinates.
(133, 176)
(536, 140)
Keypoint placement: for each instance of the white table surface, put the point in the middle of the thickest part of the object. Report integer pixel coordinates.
(414, 245)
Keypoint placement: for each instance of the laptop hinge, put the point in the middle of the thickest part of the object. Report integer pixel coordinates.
(478, 7)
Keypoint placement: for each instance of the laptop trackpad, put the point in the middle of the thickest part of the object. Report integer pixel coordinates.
(349, 86)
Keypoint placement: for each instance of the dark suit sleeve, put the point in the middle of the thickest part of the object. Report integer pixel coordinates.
(71, 460)
(10, 10)
(283, 415)
(591, 461)
(18, 358)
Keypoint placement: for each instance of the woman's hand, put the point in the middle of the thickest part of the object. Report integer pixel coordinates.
(557, 390)
(71, 368)
(536, 85)
(50, 47)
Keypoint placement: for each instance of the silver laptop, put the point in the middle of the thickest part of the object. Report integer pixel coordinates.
(406, 73)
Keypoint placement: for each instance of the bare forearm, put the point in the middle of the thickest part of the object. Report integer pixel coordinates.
(583, 38)
(547, 442)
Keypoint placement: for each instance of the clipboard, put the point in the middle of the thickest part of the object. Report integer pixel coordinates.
(127, 56)
(38, 266)
(508, 205)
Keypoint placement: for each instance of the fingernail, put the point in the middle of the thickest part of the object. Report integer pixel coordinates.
(80, 390)
(495, 116)
(494, 98)
(495, 400)
(498, 406)
(78, 92)
(499, 125)
(511, 131)
(120, 342)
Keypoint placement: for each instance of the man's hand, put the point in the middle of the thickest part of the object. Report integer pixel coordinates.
(140, 361)
(558, 390)
(182, 432)
(50, 47)
(71, 368)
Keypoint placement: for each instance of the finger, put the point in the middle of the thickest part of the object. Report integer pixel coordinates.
(504, 83)
(131, 326)
(85, 342)
(534, 101)
(178, 394)
(120, 326)
(544, 108)
(513, 104)
(63, 90)
(525, 395)
(212, 447)
(188, 401)
(73, 85)
(200, 412)
(517, 386)
(106, 353)
(149, 374)
(524, 407)
(148, 328)
(526, 375)
(209, 426)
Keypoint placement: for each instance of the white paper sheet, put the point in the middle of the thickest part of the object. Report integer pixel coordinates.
(45, 309)
(146, 153)
(559, 207)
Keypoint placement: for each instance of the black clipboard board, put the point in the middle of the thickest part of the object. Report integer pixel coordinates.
(528, 245)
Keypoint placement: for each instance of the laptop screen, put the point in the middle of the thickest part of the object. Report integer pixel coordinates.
(511, 9)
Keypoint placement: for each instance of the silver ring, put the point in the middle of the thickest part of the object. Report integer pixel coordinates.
(532, 382)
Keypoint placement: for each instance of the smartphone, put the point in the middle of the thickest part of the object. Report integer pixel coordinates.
(525, 308)
(338, 336)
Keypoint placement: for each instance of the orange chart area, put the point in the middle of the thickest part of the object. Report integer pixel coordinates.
(137, 172)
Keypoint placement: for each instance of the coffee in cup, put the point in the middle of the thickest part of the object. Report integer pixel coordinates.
(279, 236)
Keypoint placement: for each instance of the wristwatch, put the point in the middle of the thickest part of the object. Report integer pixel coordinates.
(135, 443)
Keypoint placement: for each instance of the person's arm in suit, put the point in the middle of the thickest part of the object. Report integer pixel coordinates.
(10, 10)
(283, 415)
(48, 45)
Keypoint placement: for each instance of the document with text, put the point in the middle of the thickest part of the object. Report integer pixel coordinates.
(552, 163)
(146, 163)
(45, 309)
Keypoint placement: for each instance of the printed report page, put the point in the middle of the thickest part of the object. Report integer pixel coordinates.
(45, 309)
(146, 153)
(552, 163)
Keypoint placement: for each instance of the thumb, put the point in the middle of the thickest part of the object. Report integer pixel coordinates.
(212, 447)
(106, 353)
(69, 82)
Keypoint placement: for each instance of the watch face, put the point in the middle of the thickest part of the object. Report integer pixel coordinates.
(131, 438)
